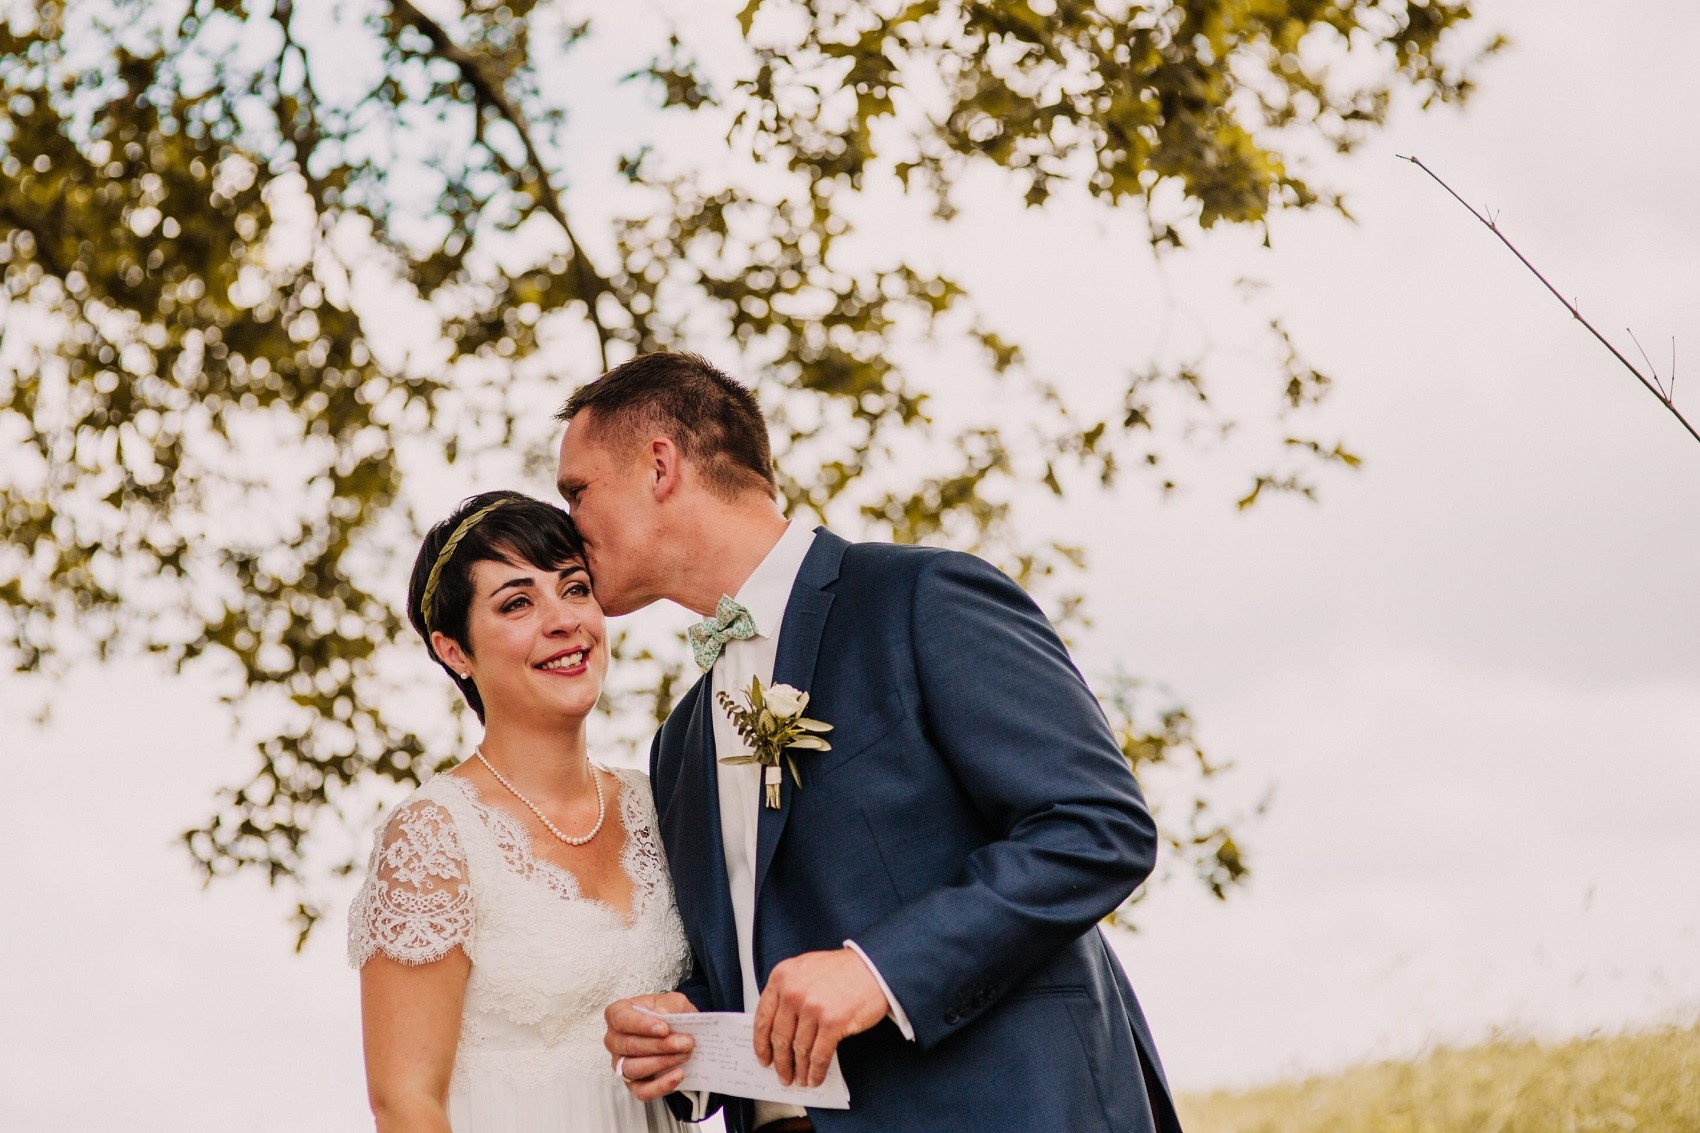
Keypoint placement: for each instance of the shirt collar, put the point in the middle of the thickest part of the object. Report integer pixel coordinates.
(767, 591)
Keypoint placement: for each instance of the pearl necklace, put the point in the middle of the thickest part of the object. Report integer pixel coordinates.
(601, 802)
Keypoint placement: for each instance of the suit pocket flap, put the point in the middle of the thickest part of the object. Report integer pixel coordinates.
(850, 739)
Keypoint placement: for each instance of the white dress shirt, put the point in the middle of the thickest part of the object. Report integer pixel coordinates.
(765, 595)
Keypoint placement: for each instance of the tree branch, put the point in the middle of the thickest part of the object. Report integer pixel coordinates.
(1569, 305)
(303, 136)
(489, 92)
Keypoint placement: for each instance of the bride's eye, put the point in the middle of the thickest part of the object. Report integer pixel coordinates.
(514, 603)
(578, 590)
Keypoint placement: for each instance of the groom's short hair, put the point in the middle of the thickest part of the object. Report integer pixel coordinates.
(715, 422)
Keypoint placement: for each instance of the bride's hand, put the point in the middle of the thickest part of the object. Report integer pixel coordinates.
(654, 1057)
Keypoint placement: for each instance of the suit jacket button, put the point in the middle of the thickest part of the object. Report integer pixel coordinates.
(951, 1018)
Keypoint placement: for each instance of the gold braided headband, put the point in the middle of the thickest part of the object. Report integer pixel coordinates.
(443, 556)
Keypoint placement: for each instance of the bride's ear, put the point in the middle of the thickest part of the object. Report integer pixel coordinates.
(448, 651)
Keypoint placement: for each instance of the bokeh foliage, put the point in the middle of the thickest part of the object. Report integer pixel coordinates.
(253, 243)
(1640, 1080)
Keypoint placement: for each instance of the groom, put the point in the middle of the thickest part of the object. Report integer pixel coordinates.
(926, 904)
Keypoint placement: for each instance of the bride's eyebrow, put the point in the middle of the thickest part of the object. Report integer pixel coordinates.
(514, 584)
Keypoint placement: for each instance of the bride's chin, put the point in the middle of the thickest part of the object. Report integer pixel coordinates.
(576, 703)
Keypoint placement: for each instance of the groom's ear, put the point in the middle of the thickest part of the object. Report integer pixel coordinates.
(666, 468)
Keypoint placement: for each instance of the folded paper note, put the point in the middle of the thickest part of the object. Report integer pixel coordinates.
(724, 1062)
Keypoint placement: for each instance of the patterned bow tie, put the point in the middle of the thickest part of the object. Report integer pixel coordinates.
(731, 622)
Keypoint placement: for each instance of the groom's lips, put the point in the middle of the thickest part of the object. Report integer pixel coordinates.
(575, 670)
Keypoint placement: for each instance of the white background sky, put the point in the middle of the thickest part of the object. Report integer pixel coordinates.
(1469, 674)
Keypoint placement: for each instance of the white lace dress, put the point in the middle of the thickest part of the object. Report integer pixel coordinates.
(449, 870)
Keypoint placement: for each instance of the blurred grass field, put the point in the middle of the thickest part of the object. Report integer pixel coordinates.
(1648, 1081)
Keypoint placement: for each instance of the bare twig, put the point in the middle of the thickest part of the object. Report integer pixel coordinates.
(1651, 369)
(489, 92)
(1570, 305)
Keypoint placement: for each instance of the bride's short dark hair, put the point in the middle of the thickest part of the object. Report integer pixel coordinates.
(515, 528)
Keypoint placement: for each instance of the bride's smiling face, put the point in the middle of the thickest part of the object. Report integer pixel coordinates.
(538, 641)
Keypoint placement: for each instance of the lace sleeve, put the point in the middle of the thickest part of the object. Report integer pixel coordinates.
(416, 905)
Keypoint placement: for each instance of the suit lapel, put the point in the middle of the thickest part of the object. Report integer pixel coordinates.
(700, 788)
(794, 665)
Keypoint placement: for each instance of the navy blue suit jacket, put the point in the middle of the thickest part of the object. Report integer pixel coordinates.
(972, 824)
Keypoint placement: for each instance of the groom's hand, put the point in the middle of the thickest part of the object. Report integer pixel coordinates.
(812, 1003)
(654, 1056)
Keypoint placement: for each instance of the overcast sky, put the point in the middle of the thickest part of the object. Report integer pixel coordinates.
(1469, 675)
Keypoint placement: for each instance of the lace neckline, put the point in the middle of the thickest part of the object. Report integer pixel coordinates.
(519, 853)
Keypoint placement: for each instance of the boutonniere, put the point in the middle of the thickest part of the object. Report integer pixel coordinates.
(772, 723)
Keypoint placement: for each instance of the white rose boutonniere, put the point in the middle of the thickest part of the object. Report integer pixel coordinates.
(771, 721)
(786, 701)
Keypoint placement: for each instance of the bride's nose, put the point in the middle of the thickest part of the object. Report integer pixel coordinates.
(562, 618)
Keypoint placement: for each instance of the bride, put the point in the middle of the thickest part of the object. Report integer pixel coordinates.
(511, 898)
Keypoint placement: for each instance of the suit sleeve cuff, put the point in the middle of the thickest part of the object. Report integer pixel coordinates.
(893, 1008)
